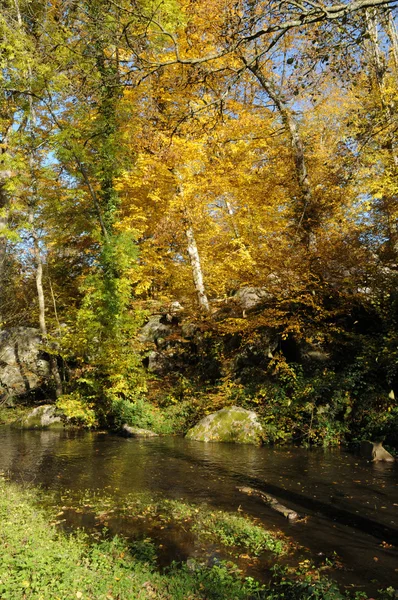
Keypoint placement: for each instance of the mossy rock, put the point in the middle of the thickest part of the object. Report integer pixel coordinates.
(137, 432)
(43, 417)
(230, 424)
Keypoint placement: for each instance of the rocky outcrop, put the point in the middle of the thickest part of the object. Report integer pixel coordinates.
(375, 452)
(137, 432)
(248, 298)
(23, 365)
(230, 424)
(160, 363)
(155, 330)
(45, 416)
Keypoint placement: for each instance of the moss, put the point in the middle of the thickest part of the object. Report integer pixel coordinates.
(231, 424)
(10, 415)
(42, 417)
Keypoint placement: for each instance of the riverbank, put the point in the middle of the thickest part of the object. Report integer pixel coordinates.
(39, 561)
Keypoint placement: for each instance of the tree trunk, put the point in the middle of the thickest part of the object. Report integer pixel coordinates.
(196, 267)
(306, 218)
(42, 304)
(393, 37)
(3, 229)
(4, 217)
(379, 64)
(193, 252)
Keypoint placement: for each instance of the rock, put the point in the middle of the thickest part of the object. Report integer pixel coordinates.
(188, 330)
(137, 432)
(23, 367)
(375, 452)
(250, 297)
(155, 330)
(160, 363)
(230, 424)
(43, 417)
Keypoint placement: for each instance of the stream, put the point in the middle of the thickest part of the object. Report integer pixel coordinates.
(351, 505)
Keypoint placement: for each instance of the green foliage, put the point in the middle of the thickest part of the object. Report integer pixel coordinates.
(320, 590)
(12, 414)
(103, 338)
(235, 530)
(144, 551)
(141, 413)
(137, 413)
(78, 409)
(37, 561)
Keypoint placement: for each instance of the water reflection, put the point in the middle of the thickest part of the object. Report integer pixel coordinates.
(334, 487)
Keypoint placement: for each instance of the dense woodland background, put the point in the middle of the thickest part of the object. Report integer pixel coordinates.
(226, 170)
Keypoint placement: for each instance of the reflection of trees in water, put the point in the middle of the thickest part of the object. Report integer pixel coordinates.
(198, 471)
(23, 453)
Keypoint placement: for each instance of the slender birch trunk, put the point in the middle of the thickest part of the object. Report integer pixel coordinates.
(41, 302)
(193, 253)
(196, 267)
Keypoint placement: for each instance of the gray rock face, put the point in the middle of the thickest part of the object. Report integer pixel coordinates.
(230, 424)
(137, 432)
(43, 417)
(375, 452)
(22, 366)
(155, 330)
(250, 297)
(160, 363)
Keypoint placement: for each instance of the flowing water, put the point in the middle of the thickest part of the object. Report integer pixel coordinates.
(352, 506)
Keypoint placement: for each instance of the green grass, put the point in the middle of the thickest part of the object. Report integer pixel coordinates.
(235, 531)
(39, 562)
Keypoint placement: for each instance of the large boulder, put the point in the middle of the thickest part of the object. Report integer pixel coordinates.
(249, 298)
(230, 424)
(45, 416)
(23, 365)
(375, 452)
